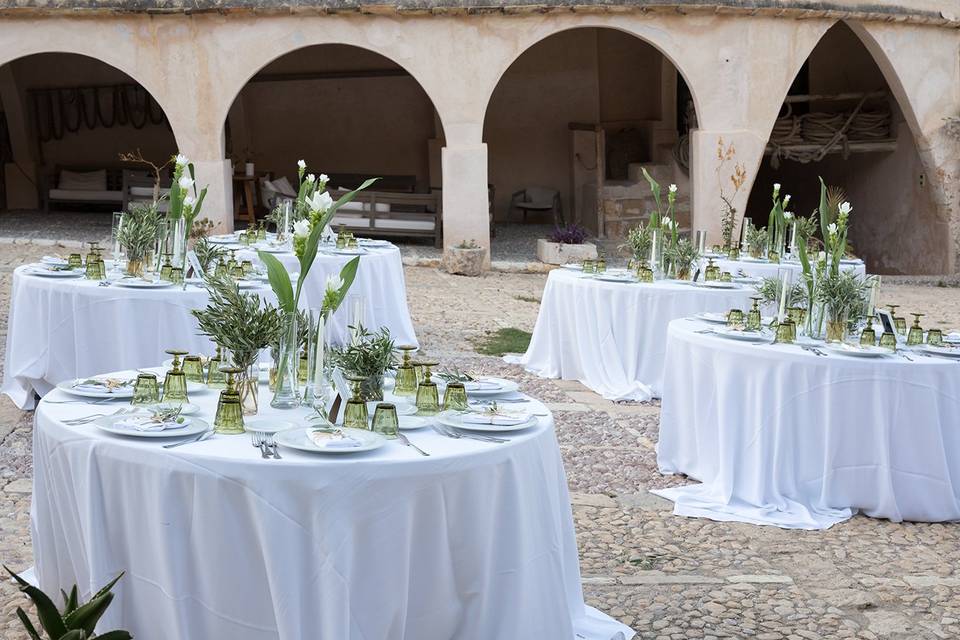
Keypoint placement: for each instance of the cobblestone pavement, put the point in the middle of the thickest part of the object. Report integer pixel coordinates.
(668, 577)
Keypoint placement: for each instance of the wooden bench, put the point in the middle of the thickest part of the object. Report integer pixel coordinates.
(109, 196)
(384, 213)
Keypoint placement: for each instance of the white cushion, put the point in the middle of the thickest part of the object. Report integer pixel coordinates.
(380, 207)
(350, 220)
(86, 195)
(83, 180)
(283, 186)
(426, 224)
(146, 192)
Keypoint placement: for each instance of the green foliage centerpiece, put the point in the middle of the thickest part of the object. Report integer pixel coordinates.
(74, 621)
(663, 224)
(185, 205)
(286, 393)
(137, 234)
(682, 256)
(368, 356)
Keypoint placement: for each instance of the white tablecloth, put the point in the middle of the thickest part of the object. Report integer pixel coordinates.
(65, 328)
(781, 436)
(475, 542)
(764, 269)
(379, 280)
(612, 336)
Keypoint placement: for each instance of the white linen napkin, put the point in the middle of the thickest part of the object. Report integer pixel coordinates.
(146, 423)
(499, 420)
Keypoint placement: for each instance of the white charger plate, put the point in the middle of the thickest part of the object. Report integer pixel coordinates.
(298, 439)
(121, 392)
(744, 336)
(455, 419)
(946, 352)
(409, 423)
(717, 284)
(493, 387)
(196, 427)
(855, 351)
(613, 277)
(711, 316)
(268, 425)
(404, 408)
(43, 272)
(143, 284)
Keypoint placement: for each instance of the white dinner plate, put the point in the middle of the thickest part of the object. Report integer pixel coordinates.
(297, 438)
(855, 351)
(186, 409)
(455, 419)
(268, 425)
(272, 248)
(195, 427)
(716, 284)
(573, 266)
(136, 283)
(404, 408)
(490, 387)
(45, 272)
(745, 336)
(940, 351)
(615, 277)
(373, 243)
(348, 252)
(227, 239)
(711, 316)
(409, 423)
(750, 259)
(120, 392)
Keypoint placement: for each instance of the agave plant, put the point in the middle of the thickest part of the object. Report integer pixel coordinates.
(75, 621)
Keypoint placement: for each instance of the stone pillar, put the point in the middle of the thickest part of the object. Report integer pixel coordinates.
(216, 175)
(466, 213)
(21, 174)
(705, 181)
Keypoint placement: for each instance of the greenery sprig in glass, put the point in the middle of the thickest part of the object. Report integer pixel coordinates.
(834, 220)
(757, 241)
(208, 253)
(138, 233)
(682, 256)
(769, 292)
(639, 240)
(843, 294)
(368, 356)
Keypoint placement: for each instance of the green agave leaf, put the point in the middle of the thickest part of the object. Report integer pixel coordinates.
(69, 601)
(31, 630)
(654, 187)
(47, 612)
(86, 616)
(280, 281)
(74, 634)
(114, 635)
(307, 258)
(107, 587)
(348, 274)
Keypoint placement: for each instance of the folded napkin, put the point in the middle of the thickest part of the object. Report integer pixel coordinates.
(333, 440)
(499, 419)
(92, 386)
(147, 423)
(482, 385)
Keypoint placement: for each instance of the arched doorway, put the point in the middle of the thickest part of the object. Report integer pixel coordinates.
(350, 113)
(841, 121)
(67, 120)
(575, 117)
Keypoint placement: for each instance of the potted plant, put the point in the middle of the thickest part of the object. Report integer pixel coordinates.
(75, 621)
(465, 259)
(137, 235)
(844, 296)
(681, 257)
(566, 244)
(368, 356)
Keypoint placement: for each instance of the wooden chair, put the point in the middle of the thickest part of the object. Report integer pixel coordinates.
(538, 199)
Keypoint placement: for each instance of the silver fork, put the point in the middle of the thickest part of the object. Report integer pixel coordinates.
(405, 440)
(95, 416)
(452, 433)
(260, 442)
(272, 445)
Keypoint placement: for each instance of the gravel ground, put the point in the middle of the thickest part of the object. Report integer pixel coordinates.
(666, 576)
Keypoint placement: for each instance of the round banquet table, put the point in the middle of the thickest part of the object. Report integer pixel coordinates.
(764, 269)
(63, 328)
(781, 436)
(379, 281)
(611, 336)
(474, 542)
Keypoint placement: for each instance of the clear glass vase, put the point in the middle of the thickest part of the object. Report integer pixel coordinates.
(286, 392)
(248, 386)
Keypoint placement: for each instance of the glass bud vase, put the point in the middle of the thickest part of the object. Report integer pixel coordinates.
(248, 386)
(285, 394)
(836, 329)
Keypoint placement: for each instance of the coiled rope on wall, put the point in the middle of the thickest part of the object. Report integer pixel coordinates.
(58, 112)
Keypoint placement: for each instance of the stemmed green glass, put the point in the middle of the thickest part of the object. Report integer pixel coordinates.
(915, 336)
(868, 337)
(455, 397)
(406, 384)
(175, 382)
(193, 369)
(166, 268)
(176, 275)
(145, 390)
(428, 398)
(712, 271)
(92, 255)
(754, 320)
(899, 323)
(385, 420)
(229, 418)
(355, 414)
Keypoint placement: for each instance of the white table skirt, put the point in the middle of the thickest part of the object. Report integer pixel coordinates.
(380, 281)
(612, 336)
(474, 542)
(781, 436)
(754, 269)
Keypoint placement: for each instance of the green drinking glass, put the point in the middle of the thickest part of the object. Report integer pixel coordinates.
(915, 336)
(193, 369)
(600, 265)
(888, 341)
(734, 317)
(868, 338)
(175, 382)
(785, 332)
(216, 379)
(92, 270)
(229, 418)
(406, 381)
(754, 320)
(75, 261)
(355, 414)
(589, 266)
(645, 274)
(726, 276)
(455, 397)
(176, 275)
(385, 420)
(221, 269)
(166, 268)
(146, 390)
(428, 398)
(247, 267)
(102, 266)
(935, 337)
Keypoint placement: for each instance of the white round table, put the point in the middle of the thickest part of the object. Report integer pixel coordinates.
(65, 328)
(762, 268)
(474, 541)
(611, 336)
(379, 281)
(781, 436)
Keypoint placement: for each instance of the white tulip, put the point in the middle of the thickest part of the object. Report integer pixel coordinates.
(673, 188)
(301, 228)
(311, 177)
(334, 282)
(846, 208)
(832, 228)
(301, 164)
(181, 161)
(185, 182)
(320, 202)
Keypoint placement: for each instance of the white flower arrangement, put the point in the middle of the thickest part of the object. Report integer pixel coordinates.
(301, 228)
